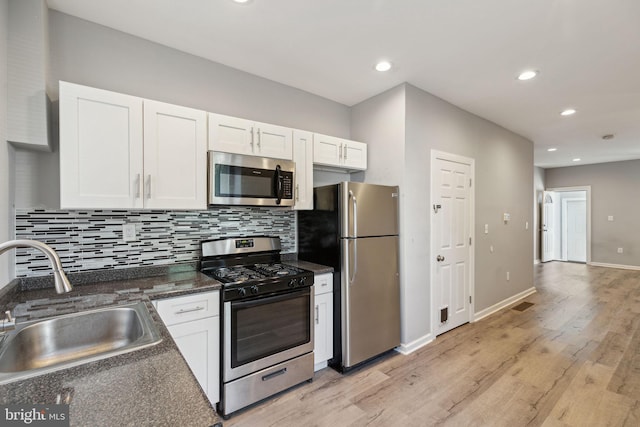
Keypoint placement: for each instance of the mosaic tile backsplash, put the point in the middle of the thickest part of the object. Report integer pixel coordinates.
(92, 239)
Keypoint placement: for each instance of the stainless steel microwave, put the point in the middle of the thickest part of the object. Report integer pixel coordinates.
(236, 179)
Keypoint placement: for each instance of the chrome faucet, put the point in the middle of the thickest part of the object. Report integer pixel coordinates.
(60, 279)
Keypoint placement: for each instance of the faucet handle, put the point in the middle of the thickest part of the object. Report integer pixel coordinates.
(8, 323)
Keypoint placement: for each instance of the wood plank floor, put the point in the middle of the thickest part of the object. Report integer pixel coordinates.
(571, 359)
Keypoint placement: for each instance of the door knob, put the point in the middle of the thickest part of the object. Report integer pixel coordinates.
(439, 258)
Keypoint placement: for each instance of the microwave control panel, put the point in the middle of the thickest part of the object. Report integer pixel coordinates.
(287, 184)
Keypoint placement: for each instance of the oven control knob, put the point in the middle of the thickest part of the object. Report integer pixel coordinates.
(242, 292)
(292, 283)
(254, 289)
(302, 280)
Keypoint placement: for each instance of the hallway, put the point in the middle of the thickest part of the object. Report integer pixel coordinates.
(571, 359)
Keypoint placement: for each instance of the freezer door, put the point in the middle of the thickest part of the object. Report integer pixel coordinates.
(368, 210)
(370, 288)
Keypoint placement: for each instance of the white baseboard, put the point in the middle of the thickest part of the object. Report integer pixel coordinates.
(502, 304)
(414, 345)
(623, 267)
(536, 261)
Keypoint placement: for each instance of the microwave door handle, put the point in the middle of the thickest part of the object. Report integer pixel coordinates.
(278, 185)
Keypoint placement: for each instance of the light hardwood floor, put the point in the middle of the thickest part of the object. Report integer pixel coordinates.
(572, 359)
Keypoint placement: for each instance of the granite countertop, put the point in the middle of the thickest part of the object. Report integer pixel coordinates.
(152, 386)
(316, 268)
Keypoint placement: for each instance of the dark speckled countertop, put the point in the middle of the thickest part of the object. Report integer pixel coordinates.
(152, 386)
(316, 268)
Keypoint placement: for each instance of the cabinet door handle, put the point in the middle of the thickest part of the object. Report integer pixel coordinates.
(317, 315)
(252, 136)
(137, 185)
(189, 310)
(148, 186)
(297, 192)
(340, 152)
(345, 152)
(259, 138)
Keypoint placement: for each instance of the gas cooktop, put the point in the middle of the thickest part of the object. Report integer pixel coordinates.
(245, 273)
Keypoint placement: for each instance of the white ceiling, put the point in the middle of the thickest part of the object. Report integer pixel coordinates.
(467, 52)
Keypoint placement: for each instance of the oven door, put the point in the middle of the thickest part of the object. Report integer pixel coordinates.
(236, 179)
(262, 332)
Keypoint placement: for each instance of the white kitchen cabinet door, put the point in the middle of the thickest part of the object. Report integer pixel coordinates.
(198, 341)
(101, 146)
(241, 136)
(327, 150)
(303, 158)
(273, 141)
(175, 157)
(339, 153)
(354, 155)
(230, 134)
(323, 332)
(323, 319)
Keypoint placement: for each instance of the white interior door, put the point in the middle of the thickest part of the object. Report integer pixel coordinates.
(451, 238)
(576, 222)
(548, 234)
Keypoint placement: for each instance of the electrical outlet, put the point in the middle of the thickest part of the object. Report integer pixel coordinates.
(508, 276)
(128, 232)
(620, 250)
(610, 218)
(526, 225)
(491, 248)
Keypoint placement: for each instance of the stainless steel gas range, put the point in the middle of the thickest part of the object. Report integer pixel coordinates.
(267, 319)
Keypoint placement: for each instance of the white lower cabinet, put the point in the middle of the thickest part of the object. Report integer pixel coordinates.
(323, 320)
(194, 324)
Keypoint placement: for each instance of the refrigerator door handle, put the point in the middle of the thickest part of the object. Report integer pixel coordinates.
(354, 270)
(355, 214)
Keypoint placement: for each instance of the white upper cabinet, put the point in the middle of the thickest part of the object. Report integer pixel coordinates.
(100, 148)
(339, 153)
(303, 157)
(175, 161)
(240, 136)
(114, 156)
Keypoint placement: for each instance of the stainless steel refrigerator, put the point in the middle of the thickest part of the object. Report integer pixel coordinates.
(354, 229)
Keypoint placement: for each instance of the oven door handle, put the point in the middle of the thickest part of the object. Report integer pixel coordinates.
(271, 299)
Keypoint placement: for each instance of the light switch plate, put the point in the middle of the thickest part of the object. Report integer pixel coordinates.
(610, 218)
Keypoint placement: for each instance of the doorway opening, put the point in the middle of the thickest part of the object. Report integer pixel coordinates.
(566, 224)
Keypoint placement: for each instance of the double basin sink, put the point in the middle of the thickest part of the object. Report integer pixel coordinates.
(42, 346)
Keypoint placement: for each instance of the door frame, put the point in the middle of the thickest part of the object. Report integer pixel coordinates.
(586, 188)
(441, 155)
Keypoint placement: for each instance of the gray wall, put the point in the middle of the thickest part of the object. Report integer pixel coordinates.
(93, 55)
(615, 191)
(5, 188)
(538, 189)
(504, 179)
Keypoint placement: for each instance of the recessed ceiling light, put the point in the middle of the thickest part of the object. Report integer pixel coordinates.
(568, 112)
(383, 66)
(527, 75)
(577, 159)
(242, 1)
(552, 149)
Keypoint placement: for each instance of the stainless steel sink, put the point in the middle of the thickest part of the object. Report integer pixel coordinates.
(47, 345)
